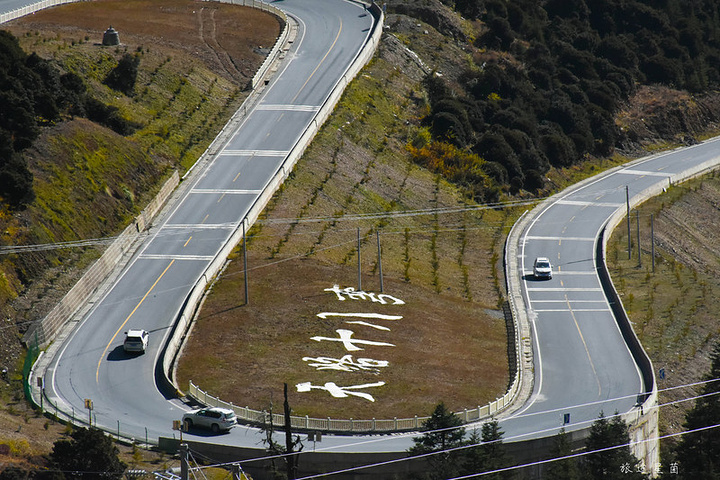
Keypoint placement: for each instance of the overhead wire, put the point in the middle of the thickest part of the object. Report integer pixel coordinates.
(9, 249)
(513, 438)
(351, 217)
(576, 455)
(468, 446)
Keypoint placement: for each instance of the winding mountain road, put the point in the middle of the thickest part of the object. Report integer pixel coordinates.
(582, 363)
(211, 206)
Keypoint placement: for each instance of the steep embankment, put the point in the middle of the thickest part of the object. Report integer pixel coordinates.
(186, 89)
(194, 62)
(674, 308)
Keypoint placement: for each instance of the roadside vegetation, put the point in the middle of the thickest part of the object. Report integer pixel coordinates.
(673, 307)
(444, 121)
(355, 175)
(88, 180)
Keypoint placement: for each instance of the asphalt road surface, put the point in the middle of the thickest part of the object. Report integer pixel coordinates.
(151, 290)
(583, 365)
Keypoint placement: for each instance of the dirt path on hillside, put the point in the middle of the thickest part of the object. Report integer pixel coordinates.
(227, 38)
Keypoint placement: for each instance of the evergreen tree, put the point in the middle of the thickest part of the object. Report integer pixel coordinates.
(697, 453)
(122, 78)
(15, 178)
(13, 473)
(562, 469)
(612, 458)
(489, 454)
(89, 455)
(443, 432)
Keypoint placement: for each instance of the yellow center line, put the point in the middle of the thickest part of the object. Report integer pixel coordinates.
(236, 177)
(592, 365)
(321, 62)
(188, 241)
(203, 220)
(220, 199)
(97, 372)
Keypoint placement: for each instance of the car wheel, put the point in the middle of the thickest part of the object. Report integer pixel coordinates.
(188, 424)
(215, 428)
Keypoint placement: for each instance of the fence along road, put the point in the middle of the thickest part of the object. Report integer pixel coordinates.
(587, 359)
(585, 338)
(200, 223)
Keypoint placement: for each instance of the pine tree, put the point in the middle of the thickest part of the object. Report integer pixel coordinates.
(697, 453)
(489, 454)
(89, 455)
(611, 460)
(562, 469)
(443, 432)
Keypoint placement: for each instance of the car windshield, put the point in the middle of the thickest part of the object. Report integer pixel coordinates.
(543, 265)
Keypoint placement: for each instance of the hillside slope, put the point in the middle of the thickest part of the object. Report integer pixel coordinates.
(674, 308)
(194, 65)
(359, 163)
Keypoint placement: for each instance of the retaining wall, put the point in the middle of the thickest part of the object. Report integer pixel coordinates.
(643, 420)
(45, 329)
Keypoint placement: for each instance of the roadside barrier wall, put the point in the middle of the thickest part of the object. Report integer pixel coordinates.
(44, 330)
(335, 425)
(325, 424)
(643, 420)
(28, 9)
(257, 464)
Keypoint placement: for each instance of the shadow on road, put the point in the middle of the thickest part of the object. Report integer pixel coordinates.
(119, 354)
(532, 278)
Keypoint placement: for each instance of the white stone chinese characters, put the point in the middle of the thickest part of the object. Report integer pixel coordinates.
(348, 364)
(341, 392)
(350, 343)
(353, 294)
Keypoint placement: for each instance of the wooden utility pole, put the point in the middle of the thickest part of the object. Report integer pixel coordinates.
(652, 240)
(291, 458)
(358, 250)
(184, 468)
(377, 233)
(637, 219)
(245, 272)
(627, 203)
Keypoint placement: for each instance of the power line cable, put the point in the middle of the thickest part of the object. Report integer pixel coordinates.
(464, 447)
(516, 437)
(580, 454)
(9, 249)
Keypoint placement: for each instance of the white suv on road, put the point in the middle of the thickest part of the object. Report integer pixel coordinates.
(136, 341)
(214, 418)
(542, 268)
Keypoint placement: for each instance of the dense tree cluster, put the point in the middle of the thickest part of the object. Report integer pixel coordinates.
(449, 453)
(550, 97)
(34, 93)
(697, 454)
(606, 455)
(88, 454)
(123, 77)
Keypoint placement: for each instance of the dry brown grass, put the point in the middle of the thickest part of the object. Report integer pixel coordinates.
(674, 309)
(225, 37)
(445, 349)
(173, 46)
(450, 344)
